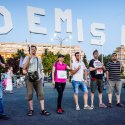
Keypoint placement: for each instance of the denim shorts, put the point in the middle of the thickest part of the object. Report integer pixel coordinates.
(79, 85)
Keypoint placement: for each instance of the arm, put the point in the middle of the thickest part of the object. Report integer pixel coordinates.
(107, 71)
(103, 67)
(68, 68)
(107, 75)
(25, 65)
(93, 69)
(75, 71)
(53, 75)
(85, 75)
(2, 64)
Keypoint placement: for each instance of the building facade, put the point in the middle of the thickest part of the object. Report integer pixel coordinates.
(9, 48)
(121, 54)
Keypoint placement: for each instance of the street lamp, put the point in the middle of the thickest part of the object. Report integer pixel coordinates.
(56, 37)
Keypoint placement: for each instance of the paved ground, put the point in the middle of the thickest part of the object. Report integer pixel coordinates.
(16, 108)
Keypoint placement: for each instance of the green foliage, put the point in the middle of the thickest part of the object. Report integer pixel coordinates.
(20, 52)
(67, 59)
(105, 58)
(49, 58)
(14, 60)
(85, 61)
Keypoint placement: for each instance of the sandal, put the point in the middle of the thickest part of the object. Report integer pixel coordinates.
(44, 112)
(30, 113)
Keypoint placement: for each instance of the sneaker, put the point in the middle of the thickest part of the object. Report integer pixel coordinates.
(87, 107)
(4, 117)
(77, 108)
(119, 105)
(102, 105)
(59, 111)
(92, 106)
(62, 110)
(110, 105)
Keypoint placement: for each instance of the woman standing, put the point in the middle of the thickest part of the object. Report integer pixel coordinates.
(9, 86)
(59, 78)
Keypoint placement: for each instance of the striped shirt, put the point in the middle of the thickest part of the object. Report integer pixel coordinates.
(114, 70)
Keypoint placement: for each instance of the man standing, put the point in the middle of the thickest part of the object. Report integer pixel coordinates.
(32, 67)
(113, 73)
(96, 73)
(79, 79)
(2, 115)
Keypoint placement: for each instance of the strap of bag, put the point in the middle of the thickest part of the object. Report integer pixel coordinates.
(37, 64)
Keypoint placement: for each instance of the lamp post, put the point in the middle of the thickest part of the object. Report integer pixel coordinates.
(56, 37)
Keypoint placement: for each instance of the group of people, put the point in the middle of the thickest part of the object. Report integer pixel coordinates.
(33, 71)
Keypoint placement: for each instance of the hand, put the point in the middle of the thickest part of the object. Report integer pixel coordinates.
(24, 72)
(99, 67)
(79, 67)
(53, 82)
(85, 81)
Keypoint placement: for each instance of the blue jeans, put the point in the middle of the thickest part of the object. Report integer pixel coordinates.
(79, 84)
(1, 100)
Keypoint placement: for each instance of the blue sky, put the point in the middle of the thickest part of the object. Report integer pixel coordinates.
(109, 12)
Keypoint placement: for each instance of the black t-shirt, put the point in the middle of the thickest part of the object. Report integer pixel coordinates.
(2, 61)
(98, 74)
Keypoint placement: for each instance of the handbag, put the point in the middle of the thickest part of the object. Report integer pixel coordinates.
(33, 76)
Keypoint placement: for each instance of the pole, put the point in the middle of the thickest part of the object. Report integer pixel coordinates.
(70, 54)
(102, 53)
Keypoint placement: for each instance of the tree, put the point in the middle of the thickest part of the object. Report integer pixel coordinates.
(48, 60)
(105, 58)
(2, 60)
(85, 61)
(67, 59)
(14, 60)
(20, 52)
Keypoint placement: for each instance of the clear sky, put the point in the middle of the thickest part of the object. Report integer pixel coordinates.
(110, 12)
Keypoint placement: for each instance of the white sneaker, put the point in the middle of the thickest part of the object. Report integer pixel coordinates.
(87, 107)
(77, 108)
(92, 106)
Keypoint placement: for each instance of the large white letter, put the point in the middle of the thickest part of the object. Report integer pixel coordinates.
(63, 16)
(96, 32)
(80, 30)
(8, 26)
(123, 35)
(34, 21)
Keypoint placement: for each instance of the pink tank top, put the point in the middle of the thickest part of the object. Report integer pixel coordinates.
(59, 67)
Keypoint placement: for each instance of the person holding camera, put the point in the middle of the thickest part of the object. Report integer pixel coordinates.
(32, 68)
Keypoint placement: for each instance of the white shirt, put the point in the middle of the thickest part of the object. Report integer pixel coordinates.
(78, 76)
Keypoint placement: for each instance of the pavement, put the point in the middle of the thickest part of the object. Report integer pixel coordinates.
(16, 107)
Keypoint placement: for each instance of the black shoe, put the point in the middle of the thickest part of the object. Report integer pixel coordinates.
(110, 105)
(30, 112)
(44, 112)
(4, 117)
(119, 105)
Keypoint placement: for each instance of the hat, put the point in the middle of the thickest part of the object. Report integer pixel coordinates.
(60, 55)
